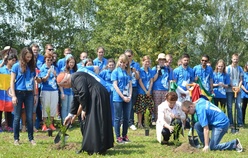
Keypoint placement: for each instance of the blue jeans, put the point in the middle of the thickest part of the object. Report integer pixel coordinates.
(133, 100)
(112, 108)
(66, 106)
(230, 100)
(216, 136)
(26, 97)
(122, 110)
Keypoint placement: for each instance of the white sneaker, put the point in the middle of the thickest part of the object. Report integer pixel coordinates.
(33, 142)
(132, 127)
(16, 142)
(239, 147)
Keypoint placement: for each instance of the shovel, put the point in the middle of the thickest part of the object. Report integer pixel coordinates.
(235, 130)
(58, 136)
(193, 140)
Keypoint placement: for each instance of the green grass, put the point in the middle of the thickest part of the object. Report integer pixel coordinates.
(141, 146)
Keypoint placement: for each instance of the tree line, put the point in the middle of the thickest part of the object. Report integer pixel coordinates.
(217, 28)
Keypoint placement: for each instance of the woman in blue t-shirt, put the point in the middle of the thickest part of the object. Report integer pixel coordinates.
(221, 80)
(162, 76)
(22, 88)
(105, 74)
(8, 62)
(244, 92)
(66, 93)
(122, 83)
(49, 91)
(144, 99)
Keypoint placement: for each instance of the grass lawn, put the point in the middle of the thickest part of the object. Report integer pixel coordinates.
(141, 146)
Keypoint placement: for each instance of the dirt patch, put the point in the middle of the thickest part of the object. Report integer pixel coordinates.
(68, 146)
(185, 147)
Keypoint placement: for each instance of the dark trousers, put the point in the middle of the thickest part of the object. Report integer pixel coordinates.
(222, 102)
(244, 105)
(166, 132)
(8, 118)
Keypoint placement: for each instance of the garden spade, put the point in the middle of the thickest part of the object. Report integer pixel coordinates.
(235, 130)
(58, 136)
(193, 140)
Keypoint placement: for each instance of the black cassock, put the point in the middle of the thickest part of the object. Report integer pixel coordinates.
(97, 129)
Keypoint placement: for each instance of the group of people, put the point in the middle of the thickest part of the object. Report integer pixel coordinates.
(103, 94)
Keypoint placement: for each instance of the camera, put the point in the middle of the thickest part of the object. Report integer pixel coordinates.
(131, 68)
(159, 70)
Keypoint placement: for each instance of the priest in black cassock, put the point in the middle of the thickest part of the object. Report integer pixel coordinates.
(93, 97)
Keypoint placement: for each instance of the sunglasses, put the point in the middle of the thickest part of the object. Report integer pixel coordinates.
(204, 60)
(50, 49)
(129, 56)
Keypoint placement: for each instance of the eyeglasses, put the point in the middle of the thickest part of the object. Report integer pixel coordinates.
(50, 49)
(129, 56)
(204, 60)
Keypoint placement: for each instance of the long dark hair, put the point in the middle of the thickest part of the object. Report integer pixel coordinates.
(67, 67)
(31, 64)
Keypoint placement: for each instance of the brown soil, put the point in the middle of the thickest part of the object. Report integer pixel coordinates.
(185, 147)
(68, 146)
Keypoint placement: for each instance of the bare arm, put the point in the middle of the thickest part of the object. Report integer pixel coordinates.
(12, 88)
(206, 138)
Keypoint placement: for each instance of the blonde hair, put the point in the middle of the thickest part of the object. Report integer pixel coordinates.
(123, 58)
(146, 57)
(224, 66)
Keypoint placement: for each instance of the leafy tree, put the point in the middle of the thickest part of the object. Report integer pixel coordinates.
(145, 26)
(222, 33)
(10, 23)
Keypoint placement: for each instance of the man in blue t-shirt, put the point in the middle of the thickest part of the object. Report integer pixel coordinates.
(183, 74)
(210, 117)
(205, 73)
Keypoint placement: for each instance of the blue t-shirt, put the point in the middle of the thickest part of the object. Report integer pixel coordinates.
(106, 75)
(51, 83)
(61, 63)
(137, 67)
(67, 91)
(145, 78)
(220, 92)
(183, 76)
(97, 77)
(99, 63)
(123, 80)
(235, 73)
(204, 74)
(80, 64)
(4, 70)
(209, 114)
(39, 61)
(162, 82)
(245, 84)
(23, 81)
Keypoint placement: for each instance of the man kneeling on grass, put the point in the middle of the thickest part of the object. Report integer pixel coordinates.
(210, 117)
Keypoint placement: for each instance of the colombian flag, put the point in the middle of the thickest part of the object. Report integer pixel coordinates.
(5, 98)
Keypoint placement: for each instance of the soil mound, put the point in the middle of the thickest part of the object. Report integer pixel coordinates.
(185, 147)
